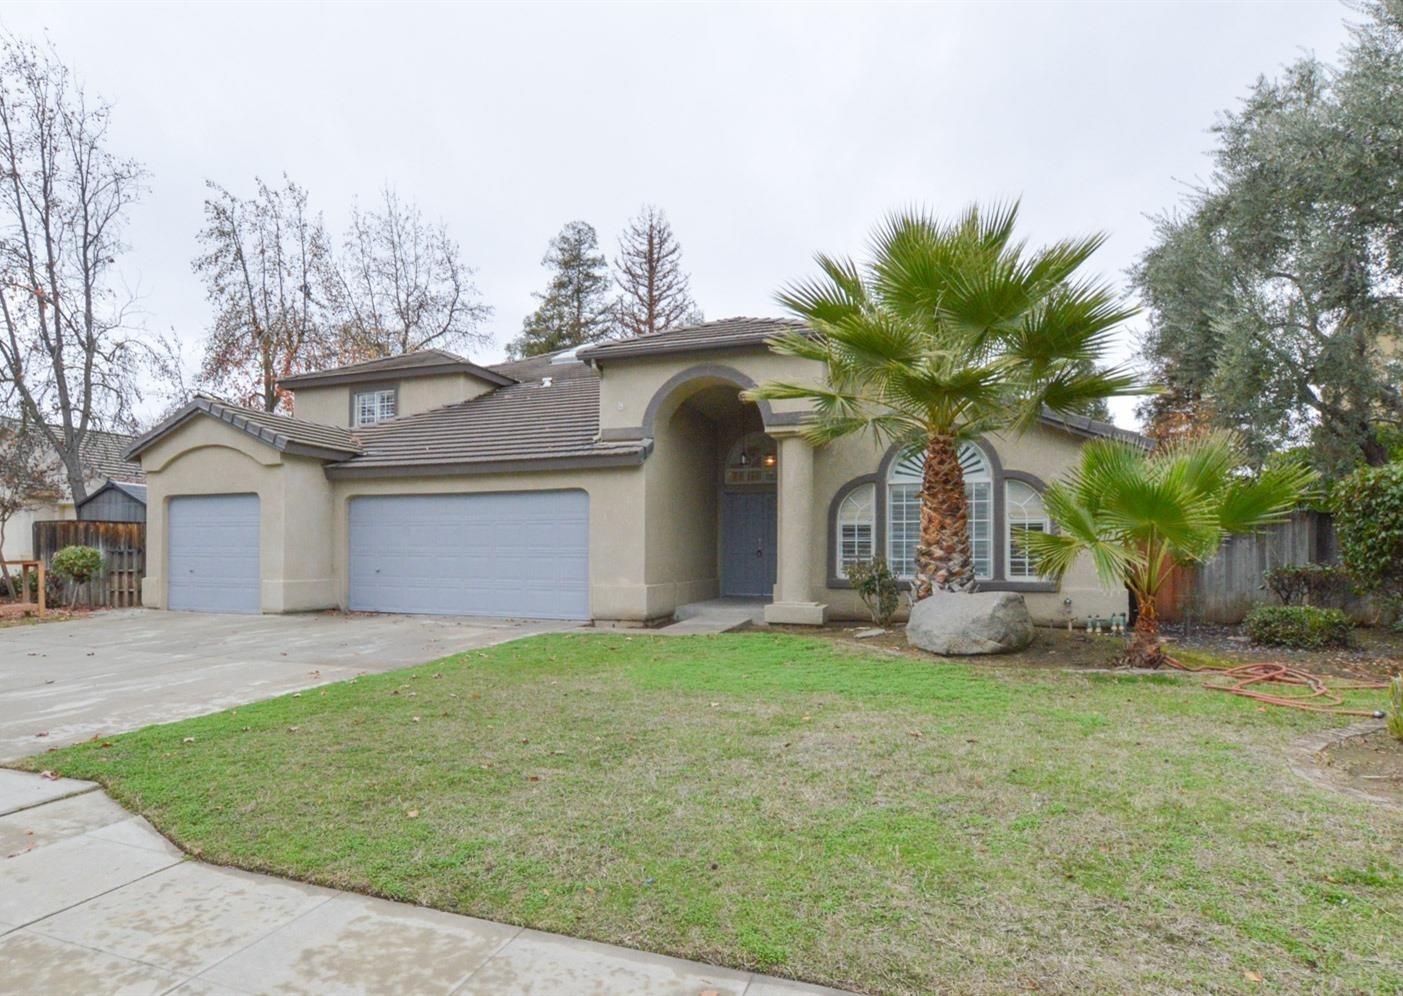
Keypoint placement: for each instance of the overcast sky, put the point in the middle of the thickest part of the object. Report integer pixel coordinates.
(765, 132)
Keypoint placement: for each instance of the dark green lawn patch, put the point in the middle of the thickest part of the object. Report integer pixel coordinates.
(766, 801)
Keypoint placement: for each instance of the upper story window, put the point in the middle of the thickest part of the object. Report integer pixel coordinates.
(1024, 513)
(753, 460)
(904, 511)
(374, 407)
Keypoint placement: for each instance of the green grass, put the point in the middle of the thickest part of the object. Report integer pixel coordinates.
(783, 804)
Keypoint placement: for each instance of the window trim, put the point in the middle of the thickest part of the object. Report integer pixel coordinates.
(1044, 520)
(392, 387)
(997, 476)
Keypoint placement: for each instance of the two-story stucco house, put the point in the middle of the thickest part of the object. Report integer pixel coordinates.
(615, 484)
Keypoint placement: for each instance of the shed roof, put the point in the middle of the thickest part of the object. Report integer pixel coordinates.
(137, 492)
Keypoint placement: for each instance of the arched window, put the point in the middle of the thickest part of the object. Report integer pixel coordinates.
(1024, 513)
(856, 525)
(753, 459)
(904, 511)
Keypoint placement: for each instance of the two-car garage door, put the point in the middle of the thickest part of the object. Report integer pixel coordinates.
(498, 554)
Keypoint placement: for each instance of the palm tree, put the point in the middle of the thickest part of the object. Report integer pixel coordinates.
(1139, 514)
(948, 330)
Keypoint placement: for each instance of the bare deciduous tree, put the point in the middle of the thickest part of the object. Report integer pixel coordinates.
(28, 473)
(654, 292)
(401, 285)
(264, 259)
(69, 359)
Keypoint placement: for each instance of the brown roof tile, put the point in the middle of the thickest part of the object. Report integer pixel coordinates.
(421, 363)
(725, 333)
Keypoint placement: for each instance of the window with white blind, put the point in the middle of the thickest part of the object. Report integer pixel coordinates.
(374, 407)
(904, 511)
(1023, 513)
(857, 526)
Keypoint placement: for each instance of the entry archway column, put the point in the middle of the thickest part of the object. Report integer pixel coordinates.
(793, 601)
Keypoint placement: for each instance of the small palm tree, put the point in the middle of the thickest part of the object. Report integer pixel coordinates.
(949, 330)
(1138, 515)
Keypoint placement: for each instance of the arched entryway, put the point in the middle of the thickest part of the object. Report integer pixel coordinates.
(713, 477)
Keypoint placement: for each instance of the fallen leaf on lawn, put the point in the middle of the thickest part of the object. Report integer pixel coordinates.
(297, 695)
(525, 740)
(293, 729)
(188, 740)
(51, 776)
(807, 718)
(414, 718)
(533, 778)
(1252, 976)
(413, 814)
(915, 733)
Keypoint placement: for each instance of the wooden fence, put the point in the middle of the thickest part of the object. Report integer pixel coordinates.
(123, 549)
(1224, 588)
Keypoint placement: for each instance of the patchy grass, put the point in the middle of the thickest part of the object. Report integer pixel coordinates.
(773, 802)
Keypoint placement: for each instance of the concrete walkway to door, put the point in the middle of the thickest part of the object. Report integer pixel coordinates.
(63, 682)
(93, 900)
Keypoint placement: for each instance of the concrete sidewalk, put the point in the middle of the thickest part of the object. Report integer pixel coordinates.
(94, 900)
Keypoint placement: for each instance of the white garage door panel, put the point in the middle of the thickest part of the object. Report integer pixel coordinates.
(212, 558)
(506, 554)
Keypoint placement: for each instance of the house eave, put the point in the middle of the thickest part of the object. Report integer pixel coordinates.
(351, 470)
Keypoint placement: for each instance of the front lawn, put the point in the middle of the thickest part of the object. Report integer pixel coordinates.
(784, 803)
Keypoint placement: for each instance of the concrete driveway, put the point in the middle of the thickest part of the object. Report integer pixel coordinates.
(112, 671)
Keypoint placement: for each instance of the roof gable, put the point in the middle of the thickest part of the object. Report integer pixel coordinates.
(421, 363)
(286, 435)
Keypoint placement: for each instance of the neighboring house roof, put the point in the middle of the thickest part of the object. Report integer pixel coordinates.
(137, 492)
(725, 333)
(1083, 425)
(423, 363)
(527, 425)
(102, 454)
(289, 435)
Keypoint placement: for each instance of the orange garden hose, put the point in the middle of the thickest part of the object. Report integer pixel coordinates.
(1317, 697)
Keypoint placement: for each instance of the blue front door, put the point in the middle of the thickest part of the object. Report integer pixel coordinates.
(748, 540)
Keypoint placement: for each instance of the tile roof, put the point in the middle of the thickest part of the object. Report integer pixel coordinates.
(102, 455)
(526, 421)
(292, 435)
(725, 333)
(421, 363)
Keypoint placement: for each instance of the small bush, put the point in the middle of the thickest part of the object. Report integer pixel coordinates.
(1306, 584)
(1368, 507)
(77, 565)
(877, 586)
(1395, 703)
(1303, 627)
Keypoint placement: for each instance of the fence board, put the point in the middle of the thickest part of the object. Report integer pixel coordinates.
(1224, 588)
(123, 549)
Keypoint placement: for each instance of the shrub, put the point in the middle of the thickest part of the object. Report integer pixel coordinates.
(1395, 702)
(76, 565)
(1304, 627)
(877, 586)
(1306, 584)
(1368, 506)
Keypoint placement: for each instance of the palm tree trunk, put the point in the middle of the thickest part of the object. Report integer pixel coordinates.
(943, 557)
(1145, 649)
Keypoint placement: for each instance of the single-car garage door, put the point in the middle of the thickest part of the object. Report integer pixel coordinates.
(520, 553)
(212, 558)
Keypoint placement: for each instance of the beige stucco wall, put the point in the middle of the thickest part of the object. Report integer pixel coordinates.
(332, 405)
(629, 385)
(616, 526)
(17, 536)
(680, 512)
(204, 456)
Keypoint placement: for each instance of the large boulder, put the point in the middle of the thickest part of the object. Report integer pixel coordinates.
(986, 622)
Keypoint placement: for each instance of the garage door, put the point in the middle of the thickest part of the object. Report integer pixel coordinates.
(503, 554)
(212, 559)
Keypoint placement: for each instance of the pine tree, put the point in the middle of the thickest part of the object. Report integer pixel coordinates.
(654, 292)
(575, 308)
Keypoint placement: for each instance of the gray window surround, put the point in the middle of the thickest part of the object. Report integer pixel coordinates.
(998, 475)
(359, 389)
